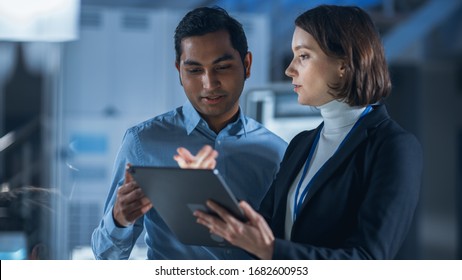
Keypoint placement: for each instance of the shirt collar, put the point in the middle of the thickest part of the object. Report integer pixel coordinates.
(192, 119)
(242, 121)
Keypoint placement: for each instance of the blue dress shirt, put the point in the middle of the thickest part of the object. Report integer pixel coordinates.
(249, 157)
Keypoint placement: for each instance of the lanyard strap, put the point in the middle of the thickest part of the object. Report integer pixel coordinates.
(299, 201)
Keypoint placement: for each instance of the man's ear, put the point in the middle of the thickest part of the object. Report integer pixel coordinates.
(177, 66)
(247, 64)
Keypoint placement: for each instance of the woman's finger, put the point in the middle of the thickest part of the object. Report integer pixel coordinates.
(228, 218)
(251, 214)
(258, 221)
(214, 224)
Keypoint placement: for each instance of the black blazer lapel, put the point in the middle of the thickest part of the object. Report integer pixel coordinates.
(299, 149)
(357, 136)
(296, 160)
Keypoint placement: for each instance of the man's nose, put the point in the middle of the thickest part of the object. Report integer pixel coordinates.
(210, 81)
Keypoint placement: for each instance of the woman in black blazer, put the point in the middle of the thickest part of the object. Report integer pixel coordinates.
(349, 188)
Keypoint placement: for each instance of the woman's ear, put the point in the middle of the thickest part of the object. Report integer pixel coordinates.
(342, 68)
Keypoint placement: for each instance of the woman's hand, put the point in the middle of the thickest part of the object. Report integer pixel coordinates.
(254, 236)
(205, 158)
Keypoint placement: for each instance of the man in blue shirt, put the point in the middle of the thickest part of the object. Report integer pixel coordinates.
(213, 62)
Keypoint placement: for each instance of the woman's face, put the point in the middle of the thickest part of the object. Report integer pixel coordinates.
(312, 71)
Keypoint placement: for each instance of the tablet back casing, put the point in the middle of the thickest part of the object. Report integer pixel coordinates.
(176, 193)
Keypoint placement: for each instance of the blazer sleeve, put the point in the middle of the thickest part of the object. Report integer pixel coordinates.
(393, 171)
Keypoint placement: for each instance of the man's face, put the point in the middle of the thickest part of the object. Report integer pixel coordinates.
(212, 76)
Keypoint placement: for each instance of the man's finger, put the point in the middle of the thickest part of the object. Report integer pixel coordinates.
(146, 208)
(210, 162)
(203, 154)
(206, 157)
(185, 154)
(181, 162)
(128, 176)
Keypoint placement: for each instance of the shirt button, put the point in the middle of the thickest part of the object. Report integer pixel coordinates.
(219, 142)
(228, 251)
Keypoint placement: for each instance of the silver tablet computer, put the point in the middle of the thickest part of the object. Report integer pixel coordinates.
(176, 193)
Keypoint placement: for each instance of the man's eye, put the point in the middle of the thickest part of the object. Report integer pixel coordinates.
(194, 70)
(223, 67)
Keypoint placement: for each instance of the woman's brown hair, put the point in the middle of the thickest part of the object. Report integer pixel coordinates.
(348, 33)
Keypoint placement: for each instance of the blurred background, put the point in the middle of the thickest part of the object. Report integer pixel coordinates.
(74, 75)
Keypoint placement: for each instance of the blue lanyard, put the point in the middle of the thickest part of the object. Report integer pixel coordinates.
(298, 202)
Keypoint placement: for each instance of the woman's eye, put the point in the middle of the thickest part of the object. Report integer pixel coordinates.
(304, 56)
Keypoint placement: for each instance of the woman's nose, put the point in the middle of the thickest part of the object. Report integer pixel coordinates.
(290, 71)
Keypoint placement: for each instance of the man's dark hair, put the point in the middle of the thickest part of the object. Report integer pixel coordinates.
(206, 20)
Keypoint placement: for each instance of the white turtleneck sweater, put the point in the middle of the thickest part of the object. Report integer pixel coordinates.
(339, 118)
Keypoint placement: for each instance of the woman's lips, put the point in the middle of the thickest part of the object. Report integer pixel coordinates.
(296, 87)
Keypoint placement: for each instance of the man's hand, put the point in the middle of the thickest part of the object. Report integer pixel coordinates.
(205, 158)
(131, 203)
